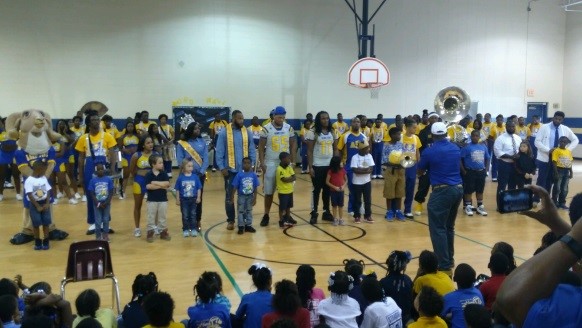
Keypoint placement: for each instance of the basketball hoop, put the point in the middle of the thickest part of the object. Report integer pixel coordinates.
(374, 90)
(369, 73)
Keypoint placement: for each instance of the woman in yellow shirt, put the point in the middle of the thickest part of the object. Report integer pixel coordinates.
(128, 145)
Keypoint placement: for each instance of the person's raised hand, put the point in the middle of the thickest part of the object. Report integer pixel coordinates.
(548, 214)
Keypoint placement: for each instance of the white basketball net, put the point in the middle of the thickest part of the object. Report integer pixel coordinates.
(374, 90)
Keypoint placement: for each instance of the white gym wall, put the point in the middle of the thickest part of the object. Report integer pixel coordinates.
(256, 54)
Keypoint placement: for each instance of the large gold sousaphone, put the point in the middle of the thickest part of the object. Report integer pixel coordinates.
(452, 104)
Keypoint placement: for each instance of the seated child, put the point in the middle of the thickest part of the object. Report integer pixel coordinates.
(87, 304)
(207, 313)
(309, 295)
(397, 284)
(287, 305)
(133, 315)
(256, 304)
(429, 304)
(382, 311)
(339, 309)
(455, 302)
(430, 276)
(159, 308)
(9, 315)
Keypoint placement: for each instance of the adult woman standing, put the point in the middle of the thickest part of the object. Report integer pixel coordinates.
(139, 167)
(128, 145)
(192, 146)
(167, 131)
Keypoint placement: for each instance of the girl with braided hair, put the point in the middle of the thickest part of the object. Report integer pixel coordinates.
(133, 315)
(397, 284)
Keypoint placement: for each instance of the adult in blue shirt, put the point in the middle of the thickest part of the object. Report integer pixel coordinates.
(193, 147)
(447, 193)
(456, 301)
(231, 147)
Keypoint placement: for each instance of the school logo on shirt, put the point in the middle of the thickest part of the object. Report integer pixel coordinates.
(101, 191)
(188, 188)
(478, 156)
(247, 185)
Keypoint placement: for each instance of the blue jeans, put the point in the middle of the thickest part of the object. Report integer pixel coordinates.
(228, 206)
(102, 218)
(188, 209)
(245, 210)
(410, 182)
(442, 207)
(507, 175)
(40, 218)
(560, 191)
(377, 148)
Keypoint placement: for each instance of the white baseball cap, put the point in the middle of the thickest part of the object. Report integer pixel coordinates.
(438, 128)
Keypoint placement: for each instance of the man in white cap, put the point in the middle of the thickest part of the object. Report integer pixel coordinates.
(446, 196)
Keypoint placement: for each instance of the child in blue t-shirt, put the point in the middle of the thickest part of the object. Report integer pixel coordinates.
(101, 191)
(456, 301)
(474, 161)
(188, 188)
(246, 183)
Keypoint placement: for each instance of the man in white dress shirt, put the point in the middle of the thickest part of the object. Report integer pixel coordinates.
(506, 148)
(546, 140)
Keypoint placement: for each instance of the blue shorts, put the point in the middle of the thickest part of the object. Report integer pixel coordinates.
(337, 198)
(285, 201)
(40, 218)
(139, 185)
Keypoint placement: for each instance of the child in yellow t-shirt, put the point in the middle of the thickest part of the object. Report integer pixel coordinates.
(285, 183)
(562, 160)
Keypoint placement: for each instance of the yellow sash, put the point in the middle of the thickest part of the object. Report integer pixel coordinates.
(191, 151)
(230, 144)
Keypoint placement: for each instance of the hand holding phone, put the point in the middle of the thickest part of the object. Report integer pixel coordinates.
(515, 200)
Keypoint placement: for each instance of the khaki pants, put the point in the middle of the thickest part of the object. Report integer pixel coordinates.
(157, 210)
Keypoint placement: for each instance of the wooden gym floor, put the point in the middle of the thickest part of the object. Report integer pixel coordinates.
(179, 262)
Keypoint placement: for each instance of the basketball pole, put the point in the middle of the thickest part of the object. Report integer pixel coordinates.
(362, 32)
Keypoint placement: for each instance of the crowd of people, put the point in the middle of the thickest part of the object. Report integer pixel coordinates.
(545, 291)
(408, 155)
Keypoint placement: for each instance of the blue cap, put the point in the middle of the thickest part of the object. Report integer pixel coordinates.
(279, 110)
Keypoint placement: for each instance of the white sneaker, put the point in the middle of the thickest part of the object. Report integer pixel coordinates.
(481, 210)
(156, 230)
(18, 197)
(136, 232)
(374, 176)
(59, 195)
(379, 176)
(84, 198)
(77, 195)
(469, 210)
(55, 201)
(170, 175)
(121, 197)
(186, 233)
(1, 197)
(73, 201)
(8, 185)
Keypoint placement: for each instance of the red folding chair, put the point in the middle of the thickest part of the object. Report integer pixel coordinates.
(90, 260)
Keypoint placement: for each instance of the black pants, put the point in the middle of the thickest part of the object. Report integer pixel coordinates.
(366, 191)
(423, 188)
(319, 186)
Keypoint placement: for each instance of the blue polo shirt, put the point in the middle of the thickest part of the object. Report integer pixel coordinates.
(443, 161)
(474, 156)
(561, 309)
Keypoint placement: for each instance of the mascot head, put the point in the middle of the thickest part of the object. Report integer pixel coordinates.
(32, 129)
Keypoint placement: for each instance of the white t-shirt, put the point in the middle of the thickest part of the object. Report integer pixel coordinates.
(340, 315)
(361, 162)
(382, 315)
(38, 187)
(323, 147)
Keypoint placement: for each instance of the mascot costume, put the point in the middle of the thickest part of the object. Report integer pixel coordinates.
(32, 130)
